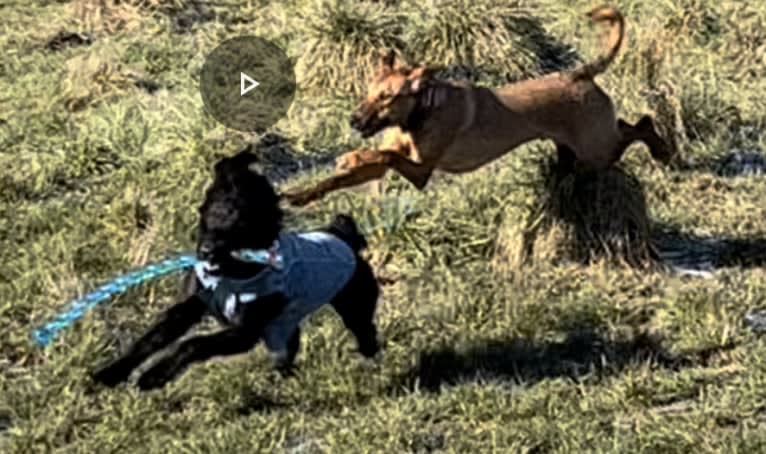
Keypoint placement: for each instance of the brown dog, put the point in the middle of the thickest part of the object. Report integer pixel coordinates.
(457, 128)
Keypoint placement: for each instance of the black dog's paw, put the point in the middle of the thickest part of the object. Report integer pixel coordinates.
(286, 370)
(111, 375)
(373, 361)
(154, 378)
(371, 348)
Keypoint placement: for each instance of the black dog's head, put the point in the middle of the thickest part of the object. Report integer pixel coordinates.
(240, 211)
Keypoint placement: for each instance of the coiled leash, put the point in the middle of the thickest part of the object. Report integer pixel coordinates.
(47, 334)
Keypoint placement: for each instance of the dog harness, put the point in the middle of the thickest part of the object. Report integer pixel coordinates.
(308, 268)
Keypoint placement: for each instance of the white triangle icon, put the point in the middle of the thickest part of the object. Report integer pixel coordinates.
(246, 83)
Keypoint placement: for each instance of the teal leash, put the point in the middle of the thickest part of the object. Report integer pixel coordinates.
(77, 309)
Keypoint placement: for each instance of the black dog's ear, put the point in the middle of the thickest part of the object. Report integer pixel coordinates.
(219, 166)
(241, 161)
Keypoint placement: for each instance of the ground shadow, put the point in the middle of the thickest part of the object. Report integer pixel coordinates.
(552, 55)
(707, 253)
(260, 402)
(256, 403)
(581, 353)
(278, 160)
(737, 164)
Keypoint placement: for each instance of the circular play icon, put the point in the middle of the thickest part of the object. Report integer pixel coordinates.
(247, 83)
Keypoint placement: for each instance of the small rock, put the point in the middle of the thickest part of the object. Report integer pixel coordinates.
(756, 321)
(5, 423)
(64, 39)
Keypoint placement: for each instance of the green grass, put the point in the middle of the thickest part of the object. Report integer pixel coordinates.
(98, 175)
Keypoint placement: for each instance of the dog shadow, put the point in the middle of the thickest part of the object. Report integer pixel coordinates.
(708, 253)
(252, 402)
(581, 354)
(552, 55)
(737, 163)
(278, 160)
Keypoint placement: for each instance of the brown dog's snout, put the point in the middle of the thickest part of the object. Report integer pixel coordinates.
(359, 118)
(355, 120)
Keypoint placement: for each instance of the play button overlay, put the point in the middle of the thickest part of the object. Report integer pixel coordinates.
(247, 83)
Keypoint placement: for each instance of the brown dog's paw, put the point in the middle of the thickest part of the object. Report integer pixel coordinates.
(301, 198)
(355, 159)
(347, 161)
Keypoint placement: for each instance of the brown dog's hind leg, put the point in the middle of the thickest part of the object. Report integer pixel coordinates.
(645, 132)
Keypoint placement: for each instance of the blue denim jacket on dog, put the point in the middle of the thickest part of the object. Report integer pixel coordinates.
(314, 267)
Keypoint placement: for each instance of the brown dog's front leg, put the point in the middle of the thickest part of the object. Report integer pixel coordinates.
(361, 166)
(342, 179)
(417, 174)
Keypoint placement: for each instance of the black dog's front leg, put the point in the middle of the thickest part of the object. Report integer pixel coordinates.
(175, 322)
(232, 341)
(199, 348)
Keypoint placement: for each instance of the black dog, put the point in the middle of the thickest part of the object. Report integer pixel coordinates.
(257, 301)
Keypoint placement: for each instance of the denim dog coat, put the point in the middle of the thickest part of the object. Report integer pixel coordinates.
(311, 268)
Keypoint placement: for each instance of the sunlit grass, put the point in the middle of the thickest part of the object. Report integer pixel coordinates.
(105, 149)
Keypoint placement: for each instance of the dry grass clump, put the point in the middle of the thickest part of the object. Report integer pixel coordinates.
(340, 43)
(747, 45)
(111, 16)
(582, 216)
(92, 79)
(108, 16)
(499, 40)
(503, 39)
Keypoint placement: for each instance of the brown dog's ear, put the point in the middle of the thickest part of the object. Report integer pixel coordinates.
(387, 59)
(421, 75)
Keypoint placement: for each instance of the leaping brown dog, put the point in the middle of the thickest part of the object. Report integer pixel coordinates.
(456, 127)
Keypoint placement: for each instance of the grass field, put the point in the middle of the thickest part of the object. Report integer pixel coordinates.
(106, 148)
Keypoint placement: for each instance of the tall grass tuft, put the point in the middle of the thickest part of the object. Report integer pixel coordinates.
(340, 43)
(501, 39)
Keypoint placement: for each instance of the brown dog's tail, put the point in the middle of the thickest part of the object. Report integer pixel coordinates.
(615, 18)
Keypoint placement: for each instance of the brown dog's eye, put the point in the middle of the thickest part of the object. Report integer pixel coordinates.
(386, 98)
